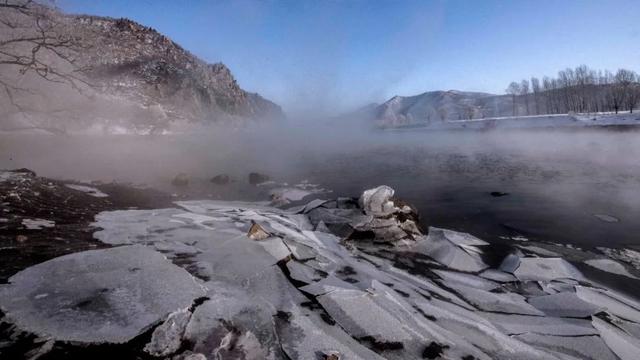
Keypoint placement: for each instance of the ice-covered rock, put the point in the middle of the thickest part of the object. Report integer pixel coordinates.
(97, 296)
(389, 220)
(377, 202)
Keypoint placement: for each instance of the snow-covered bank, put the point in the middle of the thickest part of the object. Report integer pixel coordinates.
(332, 279)
(533, 122)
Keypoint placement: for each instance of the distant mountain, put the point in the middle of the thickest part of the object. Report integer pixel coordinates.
(439, 106)
(136, 78)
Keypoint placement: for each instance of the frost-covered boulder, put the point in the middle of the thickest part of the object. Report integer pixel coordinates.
(98, 296)
(390, 220)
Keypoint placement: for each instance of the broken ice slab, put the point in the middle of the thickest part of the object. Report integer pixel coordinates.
(97, 296)
(360, 315)
(89, 190)
(607, 218)
(466, 280)
(621, 343)
(537, 250)
(546, 269)
(231, 316)
(453, 249)
(497, 275)
(510, 263)
(307, 337)
(167, 338)
(629, 256)
(565, 304)
(498, 302)
(581, 347)
(611, 302)
(610, 266)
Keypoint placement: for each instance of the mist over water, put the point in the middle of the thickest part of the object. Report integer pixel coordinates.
(556, 180)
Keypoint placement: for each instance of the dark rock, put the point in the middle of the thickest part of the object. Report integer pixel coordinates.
(332, 356)
(434, 350)
(257, 178)
(256, 232)
(181, 179)
(221, 179)
(498, 194)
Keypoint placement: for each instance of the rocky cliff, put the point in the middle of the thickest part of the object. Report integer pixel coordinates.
(133, 60)
(91, 72)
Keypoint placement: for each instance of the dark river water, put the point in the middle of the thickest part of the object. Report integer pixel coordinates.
(579, 188)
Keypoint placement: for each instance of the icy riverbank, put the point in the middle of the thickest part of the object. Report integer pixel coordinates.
(553, 121)
(336, 279)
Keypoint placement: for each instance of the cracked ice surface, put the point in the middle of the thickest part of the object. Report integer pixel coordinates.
(97, 296)
(301, 293)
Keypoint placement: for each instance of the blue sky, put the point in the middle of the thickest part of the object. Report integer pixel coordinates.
(330, 56)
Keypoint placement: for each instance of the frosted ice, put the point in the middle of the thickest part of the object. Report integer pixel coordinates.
(546, 269)
(456, 250)
(611, 266)
(116, 293)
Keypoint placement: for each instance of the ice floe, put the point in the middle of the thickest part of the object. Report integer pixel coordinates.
(314, 284)
(98, 296)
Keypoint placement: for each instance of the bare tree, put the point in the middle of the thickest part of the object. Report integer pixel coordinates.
(36, 43)
(580, 90)
(535, 87)
(625, 84)
(524, 91)
(513, 90)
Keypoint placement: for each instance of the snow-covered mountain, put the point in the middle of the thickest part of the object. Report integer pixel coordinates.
(439, 106)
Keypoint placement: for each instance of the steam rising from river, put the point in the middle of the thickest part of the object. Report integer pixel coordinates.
(555, 174)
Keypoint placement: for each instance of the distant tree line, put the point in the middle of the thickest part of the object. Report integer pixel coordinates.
(580, 90)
